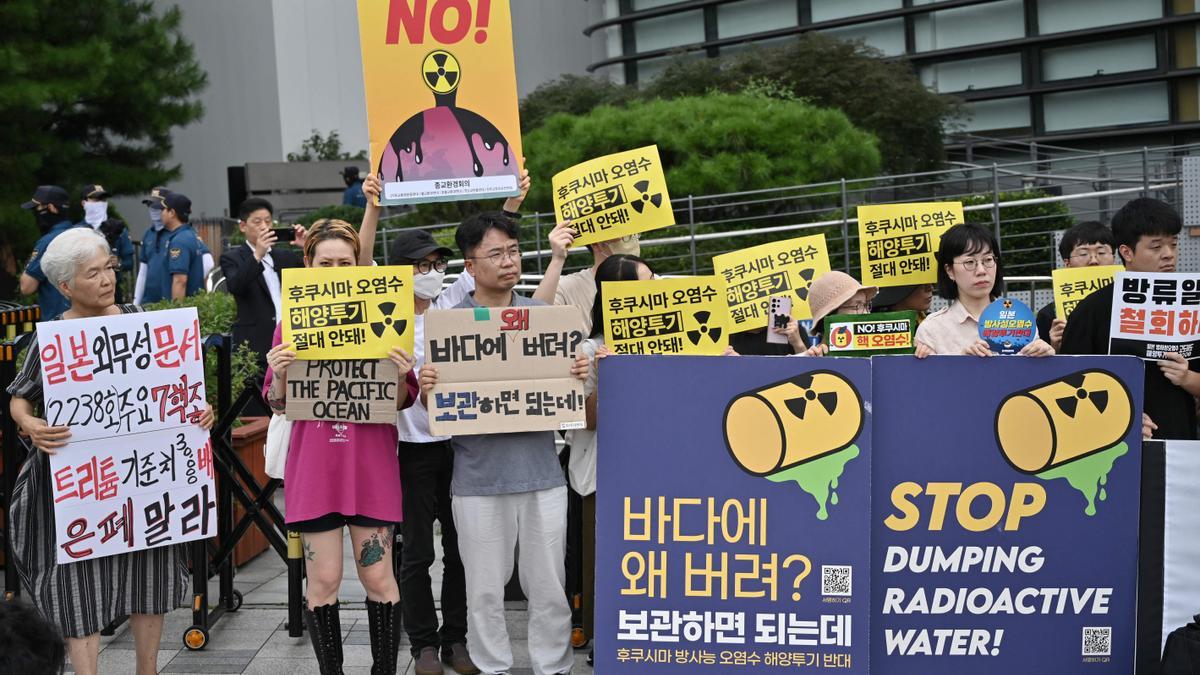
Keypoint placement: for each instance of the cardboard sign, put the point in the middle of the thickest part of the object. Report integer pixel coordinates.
(898, 242)
(684, 315)
(751, 276)
(614, 196)
(137, 472)
(868, 334)
(1004, 538)
(441, 92)
(1155, 314)
(504, 370)
(1007, 325)
(732, 536)
(350, 390)
(1073, 284)
(348, 312)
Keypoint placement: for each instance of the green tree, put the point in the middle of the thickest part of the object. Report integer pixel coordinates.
(89, 92)
(572, 94)
(318, 148)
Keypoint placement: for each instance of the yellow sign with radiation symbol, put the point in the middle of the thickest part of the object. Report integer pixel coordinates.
(441, 91)
(752, 275)
(614, 196)
(348, 312)
(685, 315)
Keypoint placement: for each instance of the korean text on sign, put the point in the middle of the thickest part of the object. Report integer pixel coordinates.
(614, 196)
(897, 242)
(1155, 314)
(686, 315)
(137, 472)
(504, 369)
(1073, 284)
(348, 312)
(751, 276)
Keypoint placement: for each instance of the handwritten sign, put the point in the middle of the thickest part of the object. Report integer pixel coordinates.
(897, 242)
(441, 88)
(1073, 284)
(751, 276)
(137, 472)
(503, 370)
(685, 315)
(614, 196)
(348, 312)
(869, 334)
(352, 390)
(1155, 314)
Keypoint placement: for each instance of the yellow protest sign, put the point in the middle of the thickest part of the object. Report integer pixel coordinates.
(685, 315)
(348, 312)
(1073, 284)
(614, 196)
(752, 275)
(441, 90)
(897, 242)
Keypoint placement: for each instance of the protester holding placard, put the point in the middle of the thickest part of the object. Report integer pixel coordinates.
(1146, 233)
(343, 474)
(84, 596)
(1084, 244)
(970, 276)
(834, 292)
(509, 490)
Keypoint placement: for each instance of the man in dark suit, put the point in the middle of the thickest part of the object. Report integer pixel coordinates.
(253, 274)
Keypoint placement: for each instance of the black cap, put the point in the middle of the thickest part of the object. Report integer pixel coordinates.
(350, 172)
(47, 194)
(93, 191)
(156, 197)
(416, 244)
(179, 203)
(890, 295)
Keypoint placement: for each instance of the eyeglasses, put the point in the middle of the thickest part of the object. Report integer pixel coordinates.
(497, 257)
(262, 221)
(856, 308)
(988, 262)
(1086, 254)
(424, 266)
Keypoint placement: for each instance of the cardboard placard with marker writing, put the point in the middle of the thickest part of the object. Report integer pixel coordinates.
(504, 369)
(349, 390)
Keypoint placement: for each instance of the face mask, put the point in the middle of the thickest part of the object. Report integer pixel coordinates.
(428, 286)
(47, 220)
(156, 219)
(95, 213)
(630, 246)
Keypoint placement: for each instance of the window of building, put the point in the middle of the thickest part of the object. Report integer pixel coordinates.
(1100, 58)
(828, 10)
(672, 30)
(1056, 16)
(887, 36)
(977, 24)
(1004, 113)
(988, 72)
(1107, 106)
(755, 16)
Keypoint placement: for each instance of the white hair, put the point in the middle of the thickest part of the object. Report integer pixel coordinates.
(69, 251)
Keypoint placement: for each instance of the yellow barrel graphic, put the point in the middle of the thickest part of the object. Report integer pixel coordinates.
(1062, 420)
(792, 422)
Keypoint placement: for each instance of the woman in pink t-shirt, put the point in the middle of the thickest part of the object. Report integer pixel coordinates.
(341, 474)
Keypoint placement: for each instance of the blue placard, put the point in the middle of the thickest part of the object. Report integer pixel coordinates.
(733, 511)
(1007, 325)
(1005, 515)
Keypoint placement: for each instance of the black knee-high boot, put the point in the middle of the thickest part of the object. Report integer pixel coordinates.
(384, 619)
(325, 630)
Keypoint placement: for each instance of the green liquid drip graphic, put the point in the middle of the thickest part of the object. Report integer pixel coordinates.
(819, 477)
(1088, 474)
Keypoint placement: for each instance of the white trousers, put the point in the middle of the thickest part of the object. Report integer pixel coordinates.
(489, 529)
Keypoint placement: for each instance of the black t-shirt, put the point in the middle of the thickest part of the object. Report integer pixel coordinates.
(1045, 318)
(1169, 406)
(754, 343)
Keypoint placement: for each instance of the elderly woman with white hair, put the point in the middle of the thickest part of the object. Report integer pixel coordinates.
(82, 597)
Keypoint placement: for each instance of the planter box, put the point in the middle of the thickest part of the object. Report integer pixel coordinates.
(249, 441)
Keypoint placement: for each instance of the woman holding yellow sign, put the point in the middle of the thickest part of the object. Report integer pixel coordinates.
(343, 474)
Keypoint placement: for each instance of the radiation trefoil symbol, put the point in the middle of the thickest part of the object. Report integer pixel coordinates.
(441, 71)
(380, 327)
(713, 333)
(798, 406)
(643, 187)
(806, 275)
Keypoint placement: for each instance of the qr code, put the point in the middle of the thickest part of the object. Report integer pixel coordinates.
(835, 579)
(1097, 641)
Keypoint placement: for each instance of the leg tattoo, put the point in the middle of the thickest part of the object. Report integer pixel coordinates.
(309, 553)
(374, 547)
